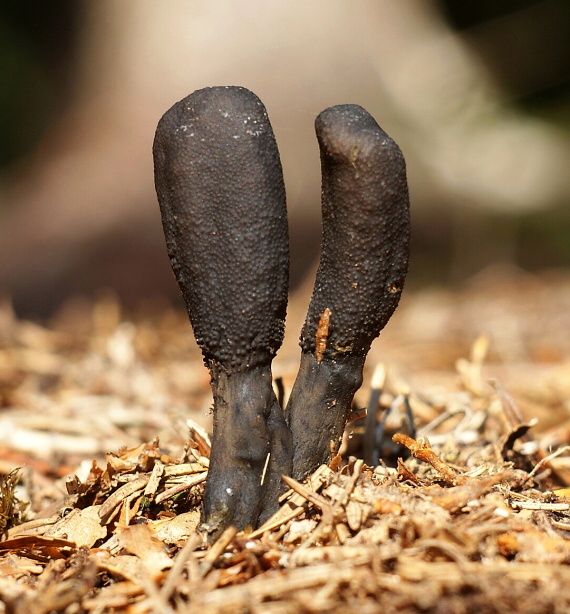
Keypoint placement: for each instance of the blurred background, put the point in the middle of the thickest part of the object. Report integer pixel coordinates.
(477, 94)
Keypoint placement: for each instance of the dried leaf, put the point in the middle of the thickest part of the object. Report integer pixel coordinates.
(82, 527)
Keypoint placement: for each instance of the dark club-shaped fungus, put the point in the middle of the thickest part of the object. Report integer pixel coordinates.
(220, 188)
(364, 261)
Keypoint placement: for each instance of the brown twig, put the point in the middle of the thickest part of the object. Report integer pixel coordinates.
(423, 452)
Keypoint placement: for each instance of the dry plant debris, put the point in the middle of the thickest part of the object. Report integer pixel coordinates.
(477, 519)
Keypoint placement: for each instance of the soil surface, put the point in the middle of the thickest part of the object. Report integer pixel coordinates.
(104, 452)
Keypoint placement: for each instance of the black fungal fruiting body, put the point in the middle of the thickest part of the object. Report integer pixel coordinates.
(220, 188)
(219, 183)
(364, 261)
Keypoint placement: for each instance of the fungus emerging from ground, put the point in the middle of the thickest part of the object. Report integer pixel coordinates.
(220, 187)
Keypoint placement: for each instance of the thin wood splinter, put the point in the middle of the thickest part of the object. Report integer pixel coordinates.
(322, 334)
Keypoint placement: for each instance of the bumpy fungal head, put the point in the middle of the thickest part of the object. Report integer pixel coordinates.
(366, 231)
(220, 187)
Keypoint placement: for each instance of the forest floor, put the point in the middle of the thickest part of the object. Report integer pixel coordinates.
(104, 454)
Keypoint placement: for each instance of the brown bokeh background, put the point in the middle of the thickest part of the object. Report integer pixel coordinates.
(476, 94)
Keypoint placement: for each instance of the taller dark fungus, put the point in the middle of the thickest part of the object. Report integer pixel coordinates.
(220, 188)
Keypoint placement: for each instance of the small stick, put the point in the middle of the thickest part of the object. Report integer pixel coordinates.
(307, 494)
(545, 461)
(423, 452)
(178, 567)
(112, 503)
(371, 455)
(217, 549)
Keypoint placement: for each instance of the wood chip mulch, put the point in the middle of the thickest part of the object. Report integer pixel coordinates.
(104, 468)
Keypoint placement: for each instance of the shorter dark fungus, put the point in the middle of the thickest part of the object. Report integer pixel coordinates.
(364, 259)
(220, 188)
